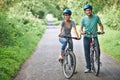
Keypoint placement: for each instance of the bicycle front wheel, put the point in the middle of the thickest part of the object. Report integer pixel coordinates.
(95, 62)
(69, 64)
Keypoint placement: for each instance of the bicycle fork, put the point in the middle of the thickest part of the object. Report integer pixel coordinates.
(92, 46)
(68, 59)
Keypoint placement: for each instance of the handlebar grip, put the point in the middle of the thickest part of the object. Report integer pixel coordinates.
(99, 33)
(94, 33)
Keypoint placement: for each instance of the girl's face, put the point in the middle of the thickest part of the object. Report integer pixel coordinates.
(66, 17)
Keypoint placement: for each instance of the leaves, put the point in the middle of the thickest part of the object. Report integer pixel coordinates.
(20, 26)
(18, 30)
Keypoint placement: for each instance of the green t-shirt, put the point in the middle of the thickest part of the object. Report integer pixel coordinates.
(90, 24)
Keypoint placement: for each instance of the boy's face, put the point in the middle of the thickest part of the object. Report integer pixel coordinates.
(66, 16)
(88, 12)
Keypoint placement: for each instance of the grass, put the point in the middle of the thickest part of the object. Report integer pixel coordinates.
(11, 57)
(110, 43)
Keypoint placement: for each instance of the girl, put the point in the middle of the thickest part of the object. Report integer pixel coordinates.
(65, 30)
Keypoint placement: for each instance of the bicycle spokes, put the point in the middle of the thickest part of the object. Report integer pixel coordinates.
(69, 64)
(95, 63)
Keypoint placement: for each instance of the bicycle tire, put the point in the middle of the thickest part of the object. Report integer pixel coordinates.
(95, 62)
(65, 65)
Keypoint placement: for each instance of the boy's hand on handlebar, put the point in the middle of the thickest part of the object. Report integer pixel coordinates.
(102, 32)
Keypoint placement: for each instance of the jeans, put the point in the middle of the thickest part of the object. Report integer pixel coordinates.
(64, 42)
(86, 42)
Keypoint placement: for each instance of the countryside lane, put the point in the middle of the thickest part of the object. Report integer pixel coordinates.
(43, 63)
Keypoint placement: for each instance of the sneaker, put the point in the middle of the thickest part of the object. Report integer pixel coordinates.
(61, 61)
(87, 71)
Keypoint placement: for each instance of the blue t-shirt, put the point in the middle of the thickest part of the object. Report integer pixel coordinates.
(90, 24)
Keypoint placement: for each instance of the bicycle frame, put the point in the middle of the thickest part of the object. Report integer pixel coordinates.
(69, 60)
(94, 56)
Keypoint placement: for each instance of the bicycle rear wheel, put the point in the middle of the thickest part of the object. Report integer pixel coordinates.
(69, 64)
(95, 62)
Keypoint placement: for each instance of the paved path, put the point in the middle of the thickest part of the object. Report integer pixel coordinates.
(43, 63)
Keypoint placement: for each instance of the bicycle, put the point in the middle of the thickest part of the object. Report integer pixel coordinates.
(94, 56)
(69, 60)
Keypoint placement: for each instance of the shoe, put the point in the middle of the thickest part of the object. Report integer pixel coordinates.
(87, 71)
(60, 60)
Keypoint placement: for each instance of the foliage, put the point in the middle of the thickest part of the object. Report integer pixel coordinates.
(39, 8)
(111, 18)
(7, 30)
(18, 30)
(5, 4)
(20, 27)
(110, 42)
(12, 57)
(26, 32)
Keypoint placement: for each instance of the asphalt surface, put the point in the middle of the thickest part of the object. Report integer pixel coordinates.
(43, 63)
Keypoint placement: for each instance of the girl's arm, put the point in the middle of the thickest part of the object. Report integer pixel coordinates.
(81, 30)
(60, 30)
(75, 30)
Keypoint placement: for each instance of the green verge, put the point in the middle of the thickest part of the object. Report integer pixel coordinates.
(11, 57)
(110, 43)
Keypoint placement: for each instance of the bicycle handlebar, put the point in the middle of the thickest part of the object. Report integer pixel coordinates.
(99, 33)
(69, 37)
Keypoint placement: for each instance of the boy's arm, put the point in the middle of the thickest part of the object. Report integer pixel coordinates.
(101, 28)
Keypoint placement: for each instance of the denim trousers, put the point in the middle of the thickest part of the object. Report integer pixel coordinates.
(86, 42)
(64, 42)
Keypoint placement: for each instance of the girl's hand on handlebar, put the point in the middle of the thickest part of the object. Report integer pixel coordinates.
(60, 35)
(79, 37)
(83, 33)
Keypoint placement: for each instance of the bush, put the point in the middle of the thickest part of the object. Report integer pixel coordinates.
(41, 14)
(18, 36)
(6, 30)
(110, 17)
(110, 42)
